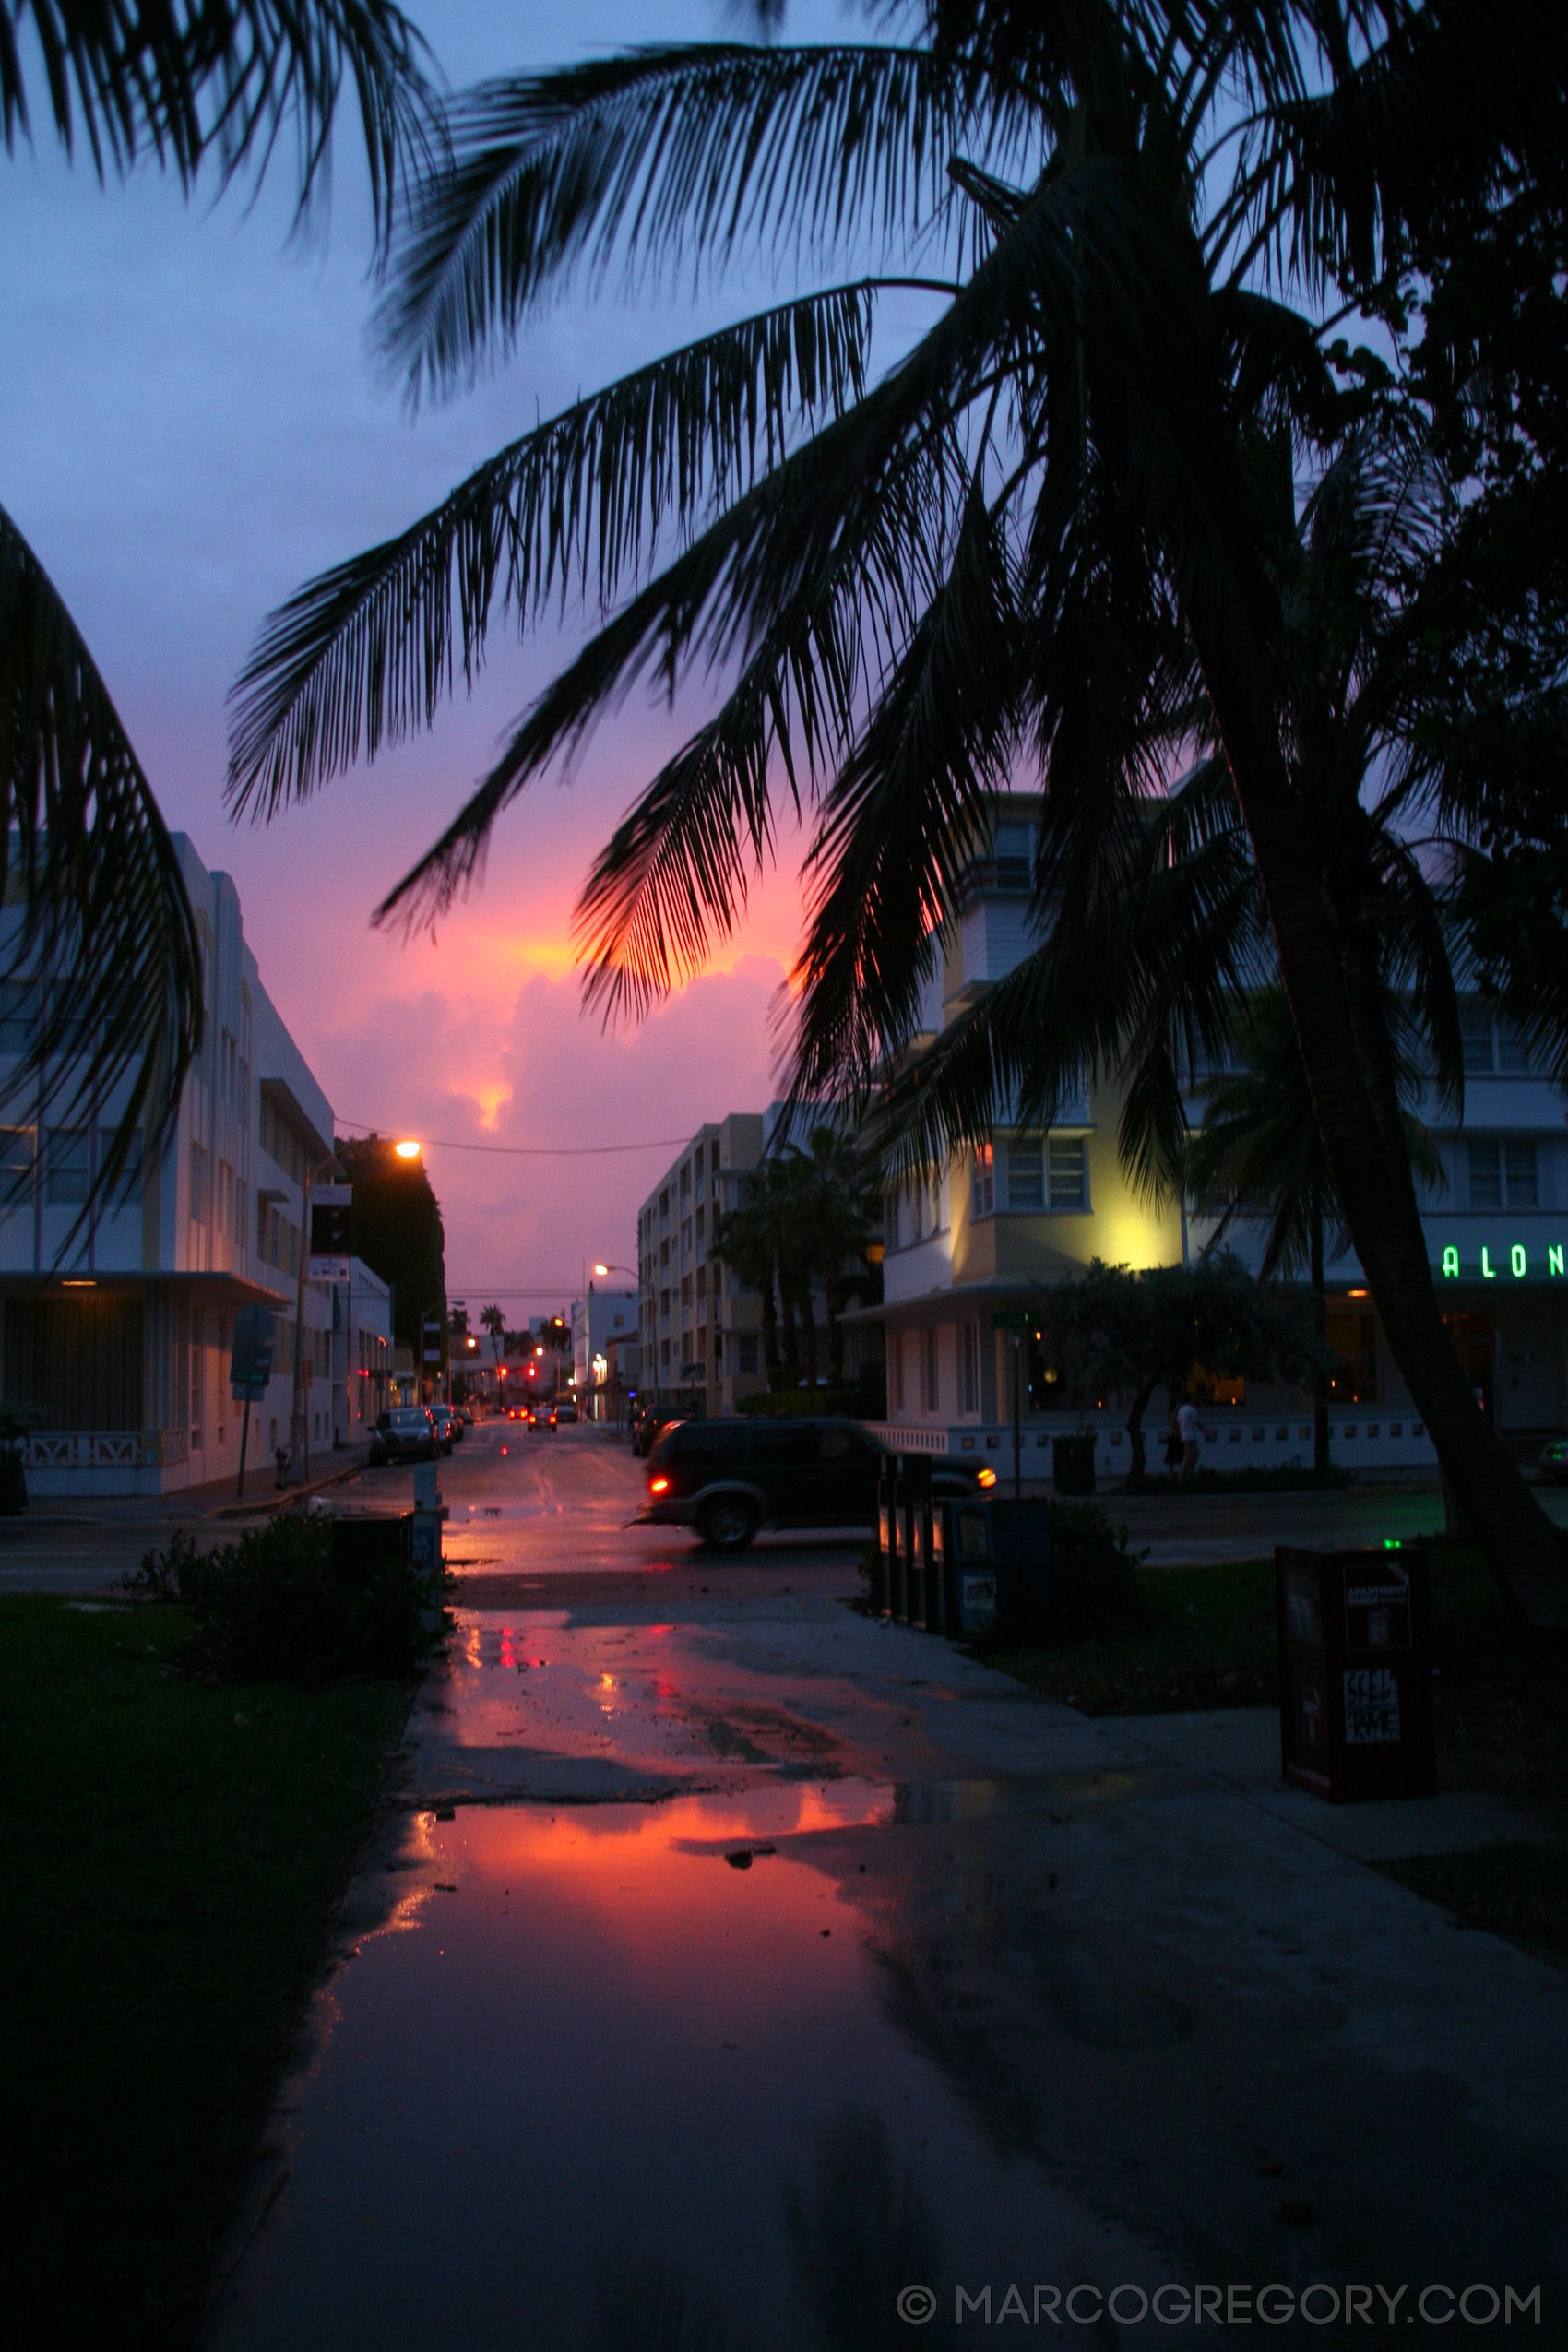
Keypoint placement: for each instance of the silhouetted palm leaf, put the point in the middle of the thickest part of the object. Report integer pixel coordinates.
(193, 78)
(101, 956)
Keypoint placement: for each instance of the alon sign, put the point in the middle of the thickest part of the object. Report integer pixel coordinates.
(1505, 1261)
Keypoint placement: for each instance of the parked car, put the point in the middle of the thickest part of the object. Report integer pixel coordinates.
(1552, 1461)
(403, 1433)
(644, 1429)
(565, 1410)
(467, 1415)
(444, 1423)
(728, 1478)
(542, 1415)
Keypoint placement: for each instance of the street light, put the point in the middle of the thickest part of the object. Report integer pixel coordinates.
(613, 1268)
(408, 1148)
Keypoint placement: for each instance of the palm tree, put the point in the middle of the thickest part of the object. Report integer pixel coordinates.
(82, 845)
(1055, 528)
(746, 1239)
(1258, 1156)
(844, 1224)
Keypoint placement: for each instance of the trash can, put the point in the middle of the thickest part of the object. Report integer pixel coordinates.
(363, 1541)
(1355, 1671)
(999, 1557)
(1072, 1464)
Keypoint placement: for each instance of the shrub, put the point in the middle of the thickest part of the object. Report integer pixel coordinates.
(285, 1604)
(1094, 1583)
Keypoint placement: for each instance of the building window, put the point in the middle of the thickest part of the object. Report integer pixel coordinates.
(929, 1365)
(15, 1166)
(18, 1007)
(1025, 1173)
(1519, 1173)
(127, 1190)
(65, 1166)
(745, 1351)
(968, 1339)
(896, 1368)
(1491, 1045)
(1066, 1172)
(198, 1183)
(982, 1183)
(1503, 1174)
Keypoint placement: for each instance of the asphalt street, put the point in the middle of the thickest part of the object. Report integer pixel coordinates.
(734, 1970)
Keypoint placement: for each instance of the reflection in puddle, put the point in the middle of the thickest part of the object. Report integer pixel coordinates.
(611, 2094)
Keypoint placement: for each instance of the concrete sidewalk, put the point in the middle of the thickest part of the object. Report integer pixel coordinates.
(677, 1909)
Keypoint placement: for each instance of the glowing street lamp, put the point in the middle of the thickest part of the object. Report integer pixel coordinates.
(408, 1148)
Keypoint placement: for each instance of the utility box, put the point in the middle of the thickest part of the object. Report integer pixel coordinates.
(1355, 1671)
(365, 1541)
(998, 1557)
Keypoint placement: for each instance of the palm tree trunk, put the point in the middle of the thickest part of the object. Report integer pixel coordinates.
(792, 1338)
(808, 1313)
(1329, 974)
(834, 1334)
(1137, 1475)
(1320, 1332)
(769, 1299)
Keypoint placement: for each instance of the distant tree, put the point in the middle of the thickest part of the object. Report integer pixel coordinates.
(745, 1238)
(495, 1322)
(1177, 1328)
(845, 1220)
(1259, 1155)
(397, 1230)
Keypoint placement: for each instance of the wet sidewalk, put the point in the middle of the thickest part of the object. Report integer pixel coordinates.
(754, 1974)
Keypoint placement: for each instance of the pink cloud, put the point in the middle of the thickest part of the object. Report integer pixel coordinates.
(529, 1069)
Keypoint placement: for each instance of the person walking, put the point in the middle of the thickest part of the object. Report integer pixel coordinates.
(1187, 1430)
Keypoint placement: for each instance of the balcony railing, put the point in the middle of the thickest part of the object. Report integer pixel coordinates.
(113, 1449)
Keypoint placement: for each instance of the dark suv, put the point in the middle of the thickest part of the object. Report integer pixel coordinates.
(728, 1478)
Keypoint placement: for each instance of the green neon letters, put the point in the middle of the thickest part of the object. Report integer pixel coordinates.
(1518, 1263)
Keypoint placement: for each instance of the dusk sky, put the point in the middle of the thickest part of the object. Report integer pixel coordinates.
(190, 427)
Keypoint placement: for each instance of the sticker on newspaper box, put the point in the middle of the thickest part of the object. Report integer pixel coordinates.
(1372, 1705)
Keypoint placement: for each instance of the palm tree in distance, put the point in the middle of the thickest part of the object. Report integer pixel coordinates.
(493, 1320)
(1258, 1157)
(746, 1239)
(107, 945)
(1050, 532)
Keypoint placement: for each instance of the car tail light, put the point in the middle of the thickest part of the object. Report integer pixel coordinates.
(659, 1486)
(503, 1449)
(985, 1478)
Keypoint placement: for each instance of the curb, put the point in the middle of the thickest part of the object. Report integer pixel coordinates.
(274, 1501)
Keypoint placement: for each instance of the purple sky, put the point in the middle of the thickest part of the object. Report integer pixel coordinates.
(189, 427)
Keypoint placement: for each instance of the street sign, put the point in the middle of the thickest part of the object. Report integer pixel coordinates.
(1011, 1319)
(329, 1241)
(250, 1365)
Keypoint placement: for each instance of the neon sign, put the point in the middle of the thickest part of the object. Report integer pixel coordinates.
(1518, 1262)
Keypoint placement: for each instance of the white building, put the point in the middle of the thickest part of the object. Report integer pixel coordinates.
(987, 1235)
(604, 1317)
(116, 1356)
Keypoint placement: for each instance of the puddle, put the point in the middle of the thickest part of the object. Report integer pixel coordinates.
(605, 2087)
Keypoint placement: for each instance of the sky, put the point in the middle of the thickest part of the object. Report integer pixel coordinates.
(190, 426)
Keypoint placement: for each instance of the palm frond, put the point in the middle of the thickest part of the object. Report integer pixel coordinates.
(366, 652)
(668, 151)
(906, 817)
(190, 80)
(100, 943)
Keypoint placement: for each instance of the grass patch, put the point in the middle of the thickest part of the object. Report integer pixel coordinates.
(174, 1853)
(1519, 1890)
(1201, 1638)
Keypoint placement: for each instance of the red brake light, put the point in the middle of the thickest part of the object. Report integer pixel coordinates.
(658, 1486)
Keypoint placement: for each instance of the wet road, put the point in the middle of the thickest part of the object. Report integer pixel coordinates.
(732, 1970)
